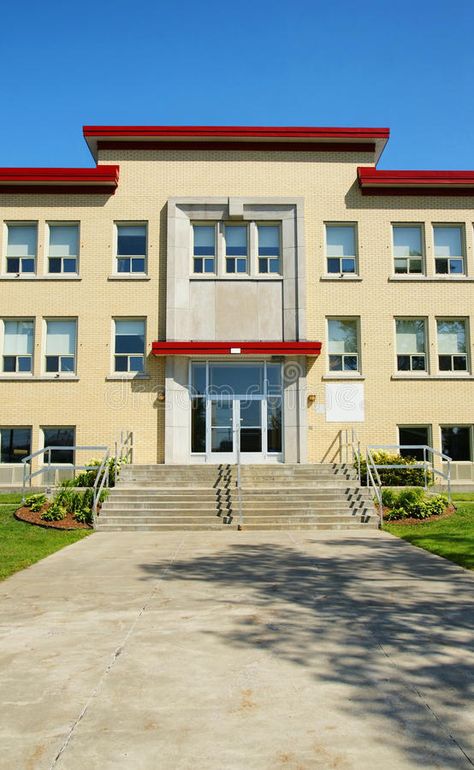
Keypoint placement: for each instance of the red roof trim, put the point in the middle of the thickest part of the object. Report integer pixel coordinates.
(101, 180)
(288, 132)
(194, 348)
(375, 182)
(230, 145)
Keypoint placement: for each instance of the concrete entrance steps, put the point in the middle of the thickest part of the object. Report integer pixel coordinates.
(205, 497)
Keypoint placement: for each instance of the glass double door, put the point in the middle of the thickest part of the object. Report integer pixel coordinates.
(237, 424)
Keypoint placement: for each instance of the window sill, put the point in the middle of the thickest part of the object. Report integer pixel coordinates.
(431, 278)
(38, 378)
(449, 376)
(342, 376)
(240, 277)
(126, 377)
(40, 277)
(129, 277)
(341, 278)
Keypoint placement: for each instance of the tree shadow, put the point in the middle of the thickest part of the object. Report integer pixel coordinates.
(392, 623)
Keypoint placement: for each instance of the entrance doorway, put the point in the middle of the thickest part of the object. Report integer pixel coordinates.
(236, 407)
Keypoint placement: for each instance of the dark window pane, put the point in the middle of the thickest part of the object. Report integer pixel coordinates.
(198, 425)
(263, 265)
(123, 265)
(59, 437)
(416, 266)
(251, 440)
(138, 265)
(350, 363)
(250, 413)
(131, 244)
(13, 265)
(348, 266)
(69, 265)
(456, 266)
(136, 363)
(413, 435)
(241, 265)
(221, 440)
(208, 265)
(230, 265)
(442, 266)
(444, 363)
(198, 265)
(54, 265)
(28, 265)
(335, 363)
(456, 442)
(242, 380)
(274, 425)
(24, 364)
(67, 364)
(52, 363)
(121, 363)
(460, 363)
(418, 363)
(9, 363)
(401, 266)
(198, 379)
(129, 343)
(15, 444)
(334, 265)
(403, 363)
(274, 266)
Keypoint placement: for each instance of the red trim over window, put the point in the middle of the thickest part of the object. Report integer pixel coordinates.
(375, 182)
(194, 348)
(98, 180)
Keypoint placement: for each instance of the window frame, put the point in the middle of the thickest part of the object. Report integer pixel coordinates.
(128, 372)
(357, 372)
(12, 428)
(355, 256)
(265, 223)
(204, 223)
(425, 353)
(470, 429)
(62, 272)
(422, 258)
(429, 433)
(462, 257)
(236, 258)
(57, 374)
(466, 355)
(16, 373)
(115, 268)
(20, 223)
(43, 444)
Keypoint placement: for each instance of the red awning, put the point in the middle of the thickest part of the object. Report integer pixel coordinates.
(194, 348)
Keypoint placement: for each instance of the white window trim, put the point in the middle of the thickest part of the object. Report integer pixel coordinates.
(16, 427)
(451, 372)
(462, 257)
(409, 274)
(61, 223)
(468, 425)
(340, 372)
(21, 375)
(355, 257)
(58, 375)
(413, 372)
(128, 375)
(42, 446)
(19, 223)
(129, 223)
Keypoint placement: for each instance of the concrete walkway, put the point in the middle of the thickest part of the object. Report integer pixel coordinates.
(237, 651)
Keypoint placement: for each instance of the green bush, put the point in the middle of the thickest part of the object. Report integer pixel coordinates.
(389, 498)
(55, 512)
(392, 477)
(35, 502)
(416, 504)
(87, 478)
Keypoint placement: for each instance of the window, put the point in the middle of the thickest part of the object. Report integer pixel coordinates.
(204, 248)
(413, 435)
(21, 249)
(343, 345)
(408, 249)
(60, 346)
(456, 442)
(63, 248)
(268, 248)
(452, 355)
(411, 344)
(449, 252)
(236, 248)
(59, 437)
(129, 345)
(131, 248)
(340, 249)
(18, 346)
(15, 444)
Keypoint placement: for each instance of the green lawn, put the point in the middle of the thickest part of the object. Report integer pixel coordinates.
(452, 537)
(23, 544)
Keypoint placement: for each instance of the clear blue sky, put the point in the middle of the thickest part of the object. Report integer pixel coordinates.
(408, 65)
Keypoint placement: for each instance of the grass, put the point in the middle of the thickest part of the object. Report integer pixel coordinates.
(452, 537)
(22, 544)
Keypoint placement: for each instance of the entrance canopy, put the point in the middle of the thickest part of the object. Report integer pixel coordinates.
(195, 348)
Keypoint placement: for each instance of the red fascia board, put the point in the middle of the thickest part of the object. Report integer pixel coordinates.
(102, 175)
(280, 132)
(194, 348)
(372, 178)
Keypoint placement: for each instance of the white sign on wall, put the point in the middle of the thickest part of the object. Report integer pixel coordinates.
(345, 402)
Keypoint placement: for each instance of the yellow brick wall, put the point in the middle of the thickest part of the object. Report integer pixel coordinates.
(100, 408)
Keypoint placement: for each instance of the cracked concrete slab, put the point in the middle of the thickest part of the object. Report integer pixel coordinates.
(243, 651)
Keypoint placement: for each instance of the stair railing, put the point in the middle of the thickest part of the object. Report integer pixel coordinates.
(351, 445)
(374, 483)
(48, 466)
(239, 476)
(101, 481)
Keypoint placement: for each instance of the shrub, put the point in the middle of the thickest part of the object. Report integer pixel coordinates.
(35, 502)
(83, 513)
(416, 504)
(389, 498)
(55, 512)
(87, 478)
(392, 477)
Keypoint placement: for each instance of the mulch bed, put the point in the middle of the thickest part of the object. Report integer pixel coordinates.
(32, 517)
(410, 521)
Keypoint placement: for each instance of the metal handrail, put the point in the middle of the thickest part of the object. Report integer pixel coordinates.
(28, 474)
(103, 476)
(372, 477)
(352, 447)
(239, 478)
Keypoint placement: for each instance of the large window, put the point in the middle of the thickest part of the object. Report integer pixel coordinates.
(414, 435)
(268, 248)
(131, 248)
(18, 346)
(63, 248)
(408, 248)
(21, 248)
(15, 444)
(204, 248)
(411, 344)
(456, 442)
(452, 347)
(341, 248)
(236, 248)
(449, 250)
(62, 438)
(61, 346)
(343, 345)
(129, 345)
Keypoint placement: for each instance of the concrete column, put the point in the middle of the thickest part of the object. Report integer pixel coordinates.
(177, 411)
(295, 412)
